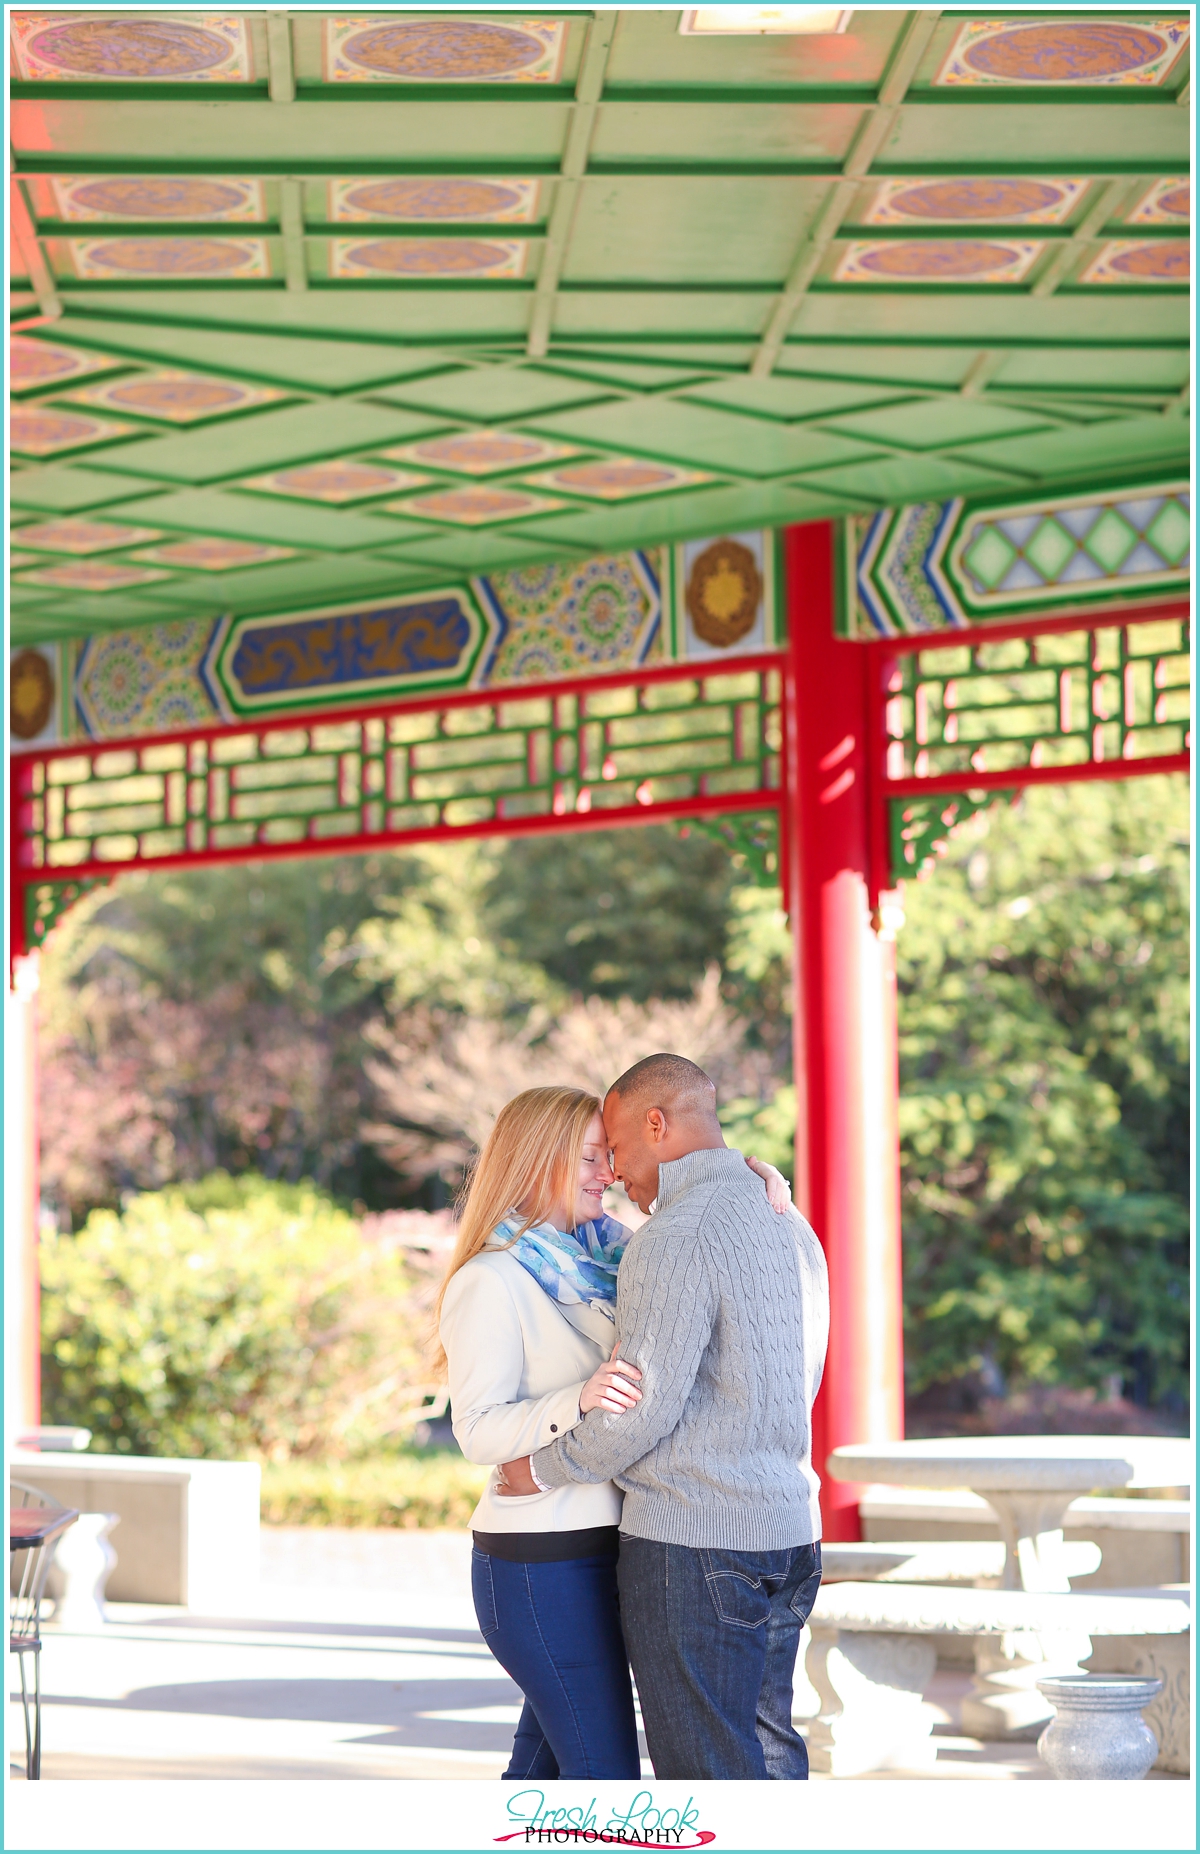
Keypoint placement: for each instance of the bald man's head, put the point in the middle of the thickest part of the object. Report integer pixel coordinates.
(667, 1081)
(660, 1109)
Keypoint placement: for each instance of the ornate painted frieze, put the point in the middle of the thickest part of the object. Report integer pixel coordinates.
(710, 600)
(557, 621)
(935, 566)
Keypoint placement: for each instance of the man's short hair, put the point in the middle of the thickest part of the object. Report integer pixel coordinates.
(670, 1082)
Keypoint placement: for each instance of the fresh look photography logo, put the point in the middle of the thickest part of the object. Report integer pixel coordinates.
(639, 1824)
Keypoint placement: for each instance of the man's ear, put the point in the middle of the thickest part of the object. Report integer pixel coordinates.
(656, 1125)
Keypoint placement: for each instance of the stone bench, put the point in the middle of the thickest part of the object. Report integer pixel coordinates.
(870, 1658)
(187, 1531)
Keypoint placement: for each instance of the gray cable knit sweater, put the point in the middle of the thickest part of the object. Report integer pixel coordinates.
(725, 1307)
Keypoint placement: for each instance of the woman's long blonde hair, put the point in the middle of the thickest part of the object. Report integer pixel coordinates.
(529, 1165)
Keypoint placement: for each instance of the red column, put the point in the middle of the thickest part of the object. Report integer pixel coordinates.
(22, 1309)
(848, 1181)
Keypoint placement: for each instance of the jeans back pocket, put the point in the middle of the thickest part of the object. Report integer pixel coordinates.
(738, 1597)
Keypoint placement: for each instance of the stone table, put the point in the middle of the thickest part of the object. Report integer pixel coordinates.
(1029, 1482)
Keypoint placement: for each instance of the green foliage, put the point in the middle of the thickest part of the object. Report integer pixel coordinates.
(614, 914)
(434, 947)
(406, 1491)
(1045, 1104)
(766, 1132)
(229, 1318)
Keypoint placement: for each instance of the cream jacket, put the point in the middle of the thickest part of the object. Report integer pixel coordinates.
(517, 1367)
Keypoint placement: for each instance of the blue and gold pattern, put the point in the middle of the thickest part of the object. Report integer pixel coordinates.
(346, 654)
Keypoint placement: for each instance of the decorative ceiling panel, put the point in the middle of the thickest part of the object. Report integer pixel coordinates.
(538, 288)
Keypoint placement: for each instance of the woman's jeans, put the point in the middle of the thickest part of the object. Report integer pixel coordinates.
(557, 1630)
(713, 1637)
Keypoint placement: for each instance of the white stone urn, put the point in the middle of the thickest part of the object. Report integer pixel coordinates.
(1097, 1731)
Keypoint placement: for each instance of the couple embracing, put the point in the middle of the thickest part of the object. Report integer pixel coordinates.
(646, 1401)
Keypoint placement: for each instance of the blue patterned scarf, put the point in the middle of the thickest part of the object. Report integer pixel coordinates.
(577, 1268)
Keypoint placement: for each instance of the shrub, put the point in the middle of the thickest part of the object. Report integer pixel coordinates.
(230, 1317)
(405, 1491)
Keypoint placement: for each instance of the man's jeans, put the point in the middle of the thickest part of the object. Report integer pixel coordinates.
(713, 1636)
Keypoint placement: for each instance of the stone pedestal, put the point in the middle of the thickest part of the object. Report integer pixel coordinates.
(1159, 1657)
(872, 1713)
(83, 1564)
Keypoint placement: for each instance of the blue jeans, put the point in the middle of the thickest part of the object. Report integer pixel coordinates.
(713, 1637)
(557, 1630)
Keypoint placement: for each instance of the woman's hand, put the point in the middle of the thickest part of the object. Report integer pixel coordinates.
(779, 1191)
(611, 1388)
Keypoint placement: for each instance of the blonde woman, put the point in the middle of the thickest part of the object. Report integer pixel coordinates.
(526, 1319)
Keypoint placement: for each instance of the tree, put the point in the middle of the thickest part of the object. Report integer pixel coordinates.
(1045, 1103)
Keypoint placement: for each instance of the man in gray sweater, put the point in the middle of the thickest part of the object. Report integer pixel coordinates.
(724, 1308)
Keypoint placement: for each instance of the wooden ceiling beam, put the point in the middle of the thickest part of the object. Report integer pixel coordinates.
(1115, 197)
(876, 125)
(281, 62)
(589, 88)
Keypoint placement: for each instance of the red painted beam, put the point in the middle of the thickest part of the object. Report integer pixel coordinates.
(1018, 776)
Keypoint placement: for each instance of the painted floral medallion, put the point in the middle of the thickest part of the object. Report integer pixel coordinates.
(176, 259)
(203, 48)
(431, 197)
(151, 197)
(495, 258)
(447, 50)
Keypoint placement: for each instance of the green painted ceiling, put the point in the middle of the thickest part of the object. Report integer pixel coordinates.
(710, 276)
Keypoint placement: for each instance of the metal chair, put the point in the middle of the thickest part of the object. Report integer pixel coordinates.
(36, 1523)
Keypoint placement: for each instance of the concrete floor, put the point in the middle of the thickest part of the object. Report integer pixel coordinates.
(356, 1657)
